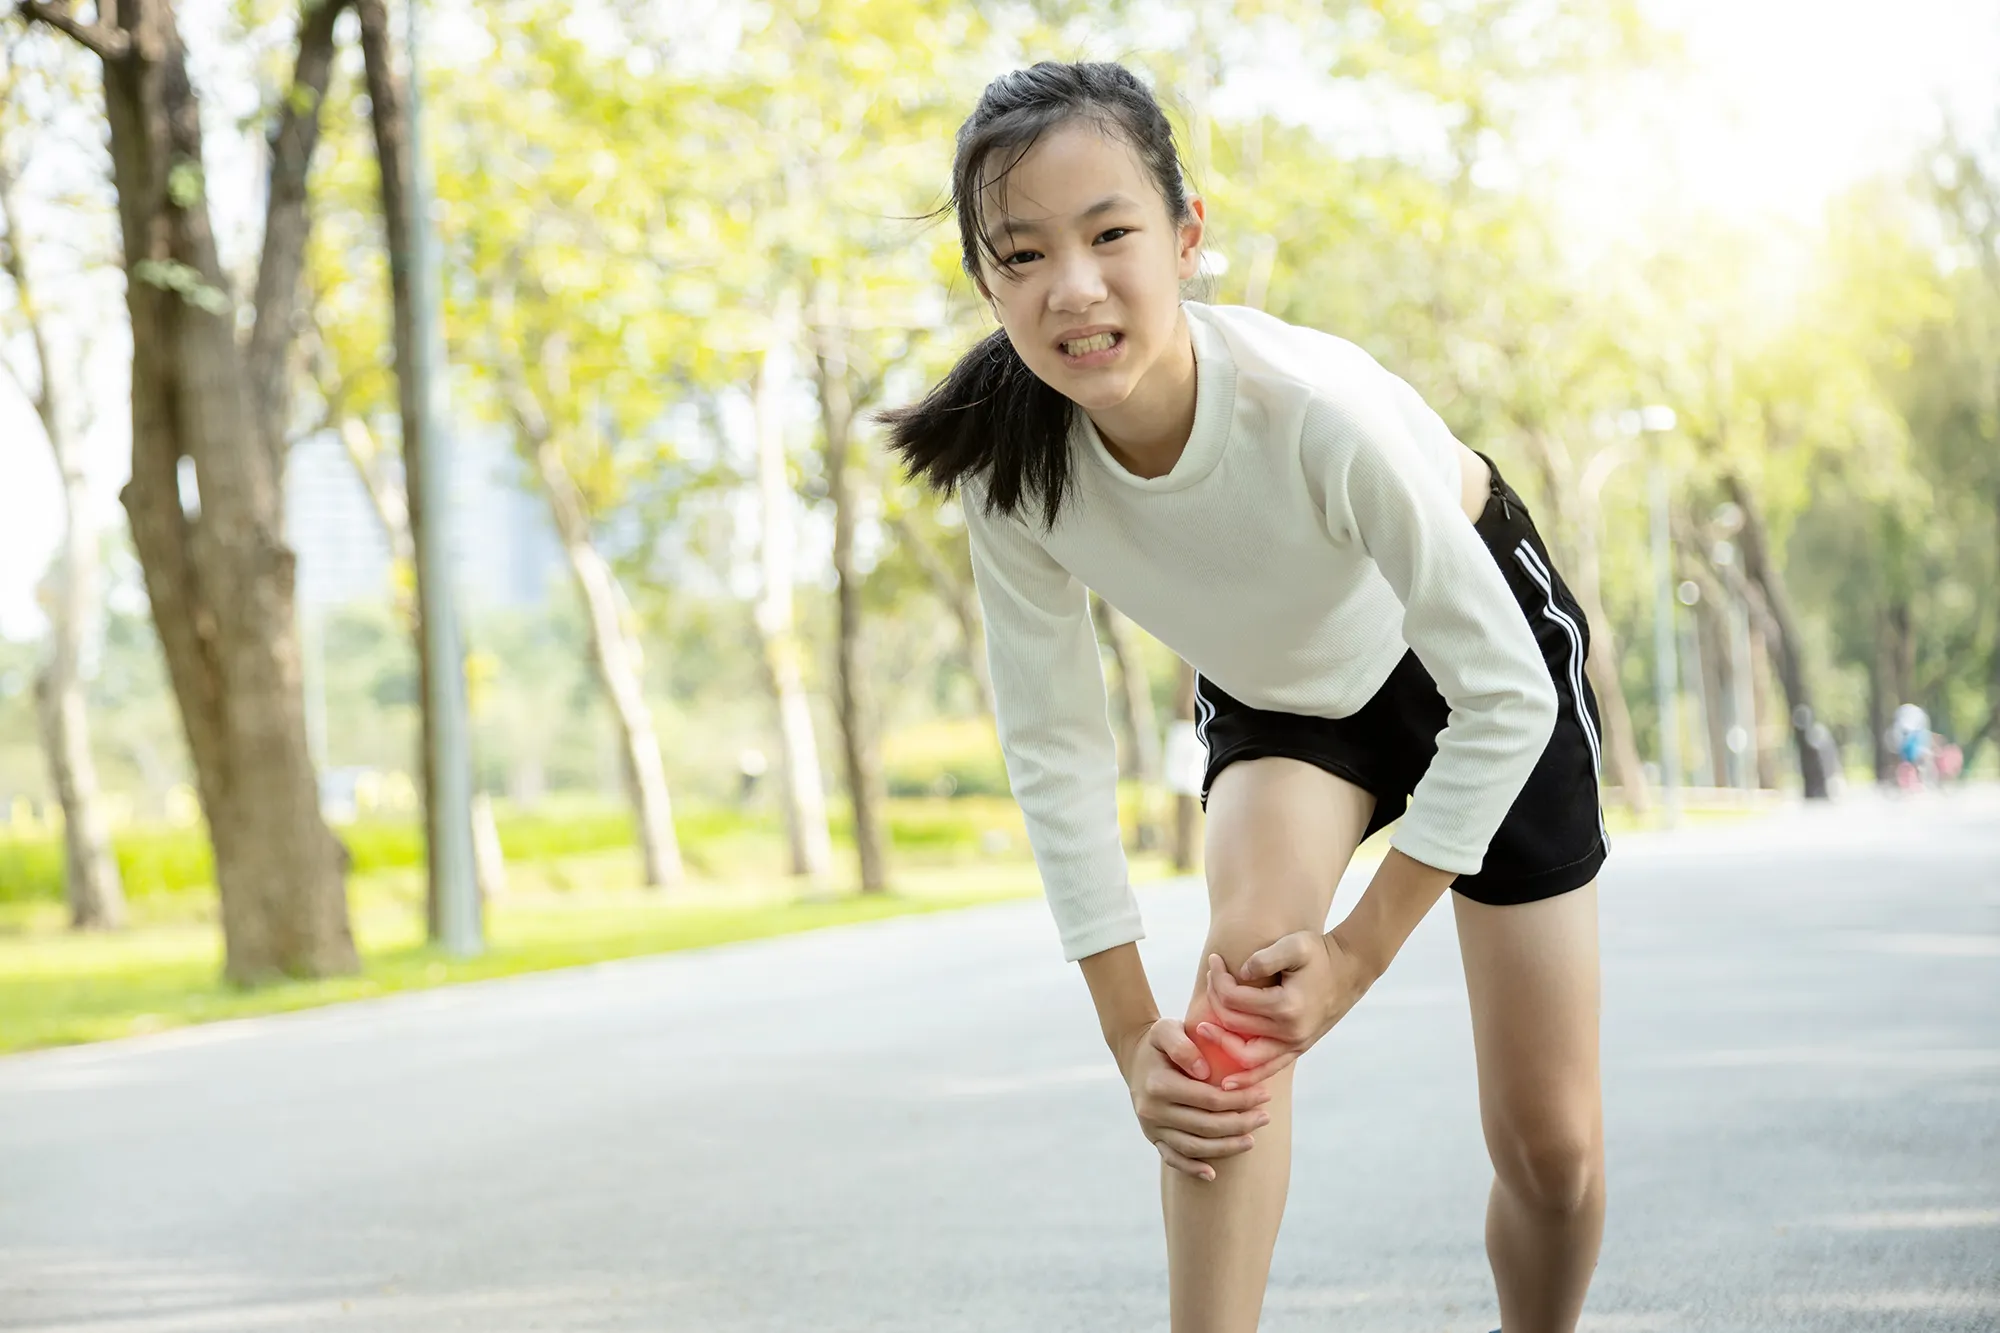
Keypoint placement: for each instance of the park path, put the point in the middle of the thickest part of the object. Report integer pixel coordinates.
(911, 1126)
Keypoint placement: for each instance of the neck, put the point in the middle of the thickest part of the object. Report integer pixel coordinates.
(1148, 432)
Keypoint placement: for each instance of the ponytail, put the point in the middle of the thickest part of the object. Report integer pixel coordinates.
(990, 415)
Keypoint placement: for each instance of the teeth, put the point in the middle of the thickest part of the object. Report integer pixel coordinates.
(1095, 343)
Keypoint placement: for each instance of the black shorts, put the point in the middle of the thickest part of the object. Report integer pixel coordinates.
(1553, 837)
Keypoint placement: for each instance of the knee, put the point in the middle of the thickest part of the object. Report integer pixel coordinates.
(1239, 928)
(1553, 1168)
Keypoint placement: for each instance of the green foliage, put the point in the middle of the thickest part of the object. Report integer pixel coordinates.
(720, 842)
(945, 758)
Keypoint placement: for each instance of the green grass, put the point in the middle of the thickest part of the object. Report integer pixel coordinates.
(58, 988)
(586, 906)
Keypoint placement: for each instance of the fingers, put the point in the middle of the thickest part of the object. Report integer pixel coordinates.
(1243, 1053)
(1171, 1037)
(1248, 1010)
(1250, 1078)
(1185, 1165)
(1255, 1001)
(1171, 1091)
(1288, 953)
(1210, 1126)
(1201, 1150)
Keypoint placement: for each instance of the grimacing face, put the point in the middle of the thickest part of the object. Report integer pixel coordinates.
(1090, 265)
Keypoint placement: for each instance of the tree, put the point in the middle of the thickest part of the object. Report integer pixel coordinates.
(1134, 701)
(208, 431)
(1967, 187)
(553, 323)
(854, 703)
(777, 622)
(614, 643)
(96, 893)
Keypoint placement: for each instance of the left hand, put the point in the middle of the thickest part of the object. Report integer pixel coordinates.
(1308, 983)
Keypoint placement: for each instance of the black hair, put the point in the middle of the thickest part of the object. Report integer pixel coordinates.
(992, 414)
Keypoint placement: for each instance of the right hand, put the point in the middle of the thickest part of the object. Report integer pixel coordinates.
(1191, 1122)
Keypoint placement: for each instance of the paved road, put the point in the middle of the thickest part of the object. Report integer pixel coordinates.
(910, 1126)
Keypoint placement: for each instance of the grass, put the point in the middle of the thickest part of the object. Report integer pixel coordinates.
(59, 988)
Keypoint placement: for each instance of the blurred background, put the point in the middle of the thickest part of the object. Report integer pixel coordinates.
(1716, 283)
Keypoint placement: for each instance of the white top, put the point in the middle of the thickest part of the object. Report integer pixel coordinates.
(1310, 534)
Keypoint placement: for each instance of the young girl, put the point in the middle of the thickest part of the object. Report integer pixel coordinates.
(1379, 634)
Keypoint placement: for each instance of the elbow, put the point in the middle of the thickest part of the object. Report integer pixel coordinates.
(1539, 707)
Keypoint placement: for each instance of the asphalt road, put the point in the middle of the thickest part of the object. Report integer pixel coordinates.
(912, 1126)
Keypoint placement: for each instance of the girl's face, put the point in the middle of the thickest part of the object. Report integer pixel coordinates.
(1090, 266)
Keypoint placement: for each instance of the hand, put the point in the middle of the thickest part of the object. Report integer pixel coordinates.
(1190, 1122)
(1309, 984)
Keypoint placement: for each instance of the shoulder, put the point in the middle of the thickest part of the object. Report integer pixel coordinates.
(1338, 384)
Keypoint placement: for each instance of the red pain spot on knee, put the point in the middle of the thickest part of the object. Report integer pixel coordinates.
(1221, 1064)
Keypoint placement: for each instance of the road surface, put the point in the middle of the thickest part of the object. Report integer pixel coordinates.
(912, 1126)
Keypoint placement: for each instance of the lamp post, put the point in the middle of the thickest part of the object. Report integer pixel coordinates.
(460, 929)
(1655, 419)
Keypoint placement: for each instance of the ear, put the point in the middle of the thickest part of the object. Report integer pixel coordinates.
(1190, 235)
(985, 294)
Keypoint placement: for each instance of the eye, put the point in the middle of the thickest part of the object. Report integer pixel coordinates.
(1114, 233)
(1019, 257)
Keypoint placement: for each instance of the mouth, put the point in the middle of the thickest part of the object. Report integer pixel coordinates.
(1093, 349)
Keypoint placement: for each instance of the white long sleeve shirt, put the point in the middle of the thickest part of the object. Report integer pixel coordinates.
(1309, 534)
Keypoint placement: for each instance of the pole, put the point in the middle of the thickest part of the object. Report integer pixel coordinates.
(1690, 655)
(1666, 678)
(1743, 732)
(459, 924)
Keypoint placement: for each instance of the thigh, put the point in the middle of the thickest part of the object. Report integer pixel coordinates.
(1280, 833)
(1531, 973)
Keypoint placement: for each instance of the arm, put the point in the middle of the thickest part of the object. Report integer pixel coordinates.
(1055, 733)
(1460, 617)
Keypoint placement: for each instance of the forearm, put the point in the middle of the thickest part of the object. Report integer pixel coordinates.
(1123, 996)
(1402, 892)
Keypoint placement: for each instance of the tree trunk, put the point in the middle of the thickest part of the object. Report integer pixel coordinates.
(95, 891)
(389, 118)
(1763, 732)
(784, 655)
(1991, 730)
(1711, 641)
(96, 894)
(1576, 530)
(615, 649)
(961, 598)
(854, 703)
(1881, 697)
(1782, 630)
(617, 655)
(1187, 808)
(218, 575)
(1902, 646)
(1135, 711)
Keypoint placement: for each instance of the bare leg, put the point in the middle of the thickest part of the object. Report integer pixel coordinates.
(1280, 834)
(1532, 974)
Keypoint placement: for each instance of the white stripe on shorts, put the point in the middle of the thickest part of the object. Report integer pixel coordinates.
(1203, 711)
(1531, 562)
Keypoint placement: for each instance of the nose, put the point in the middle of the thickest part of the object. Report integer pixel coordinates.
(1078, 284)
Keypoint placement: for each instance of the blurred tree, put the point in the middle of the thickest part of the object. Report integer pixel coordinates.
(208, 433)
(33, 71)
(1963, 422)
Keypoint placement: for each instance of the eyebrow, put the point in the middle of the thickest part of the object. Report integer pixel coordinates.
(1014, 227)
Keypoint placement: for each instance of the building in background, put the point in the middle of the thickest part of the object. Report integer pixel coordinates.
(505, 555)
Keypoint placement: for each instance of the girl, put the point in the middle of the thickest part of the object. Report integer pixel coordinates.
(1375, 623)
